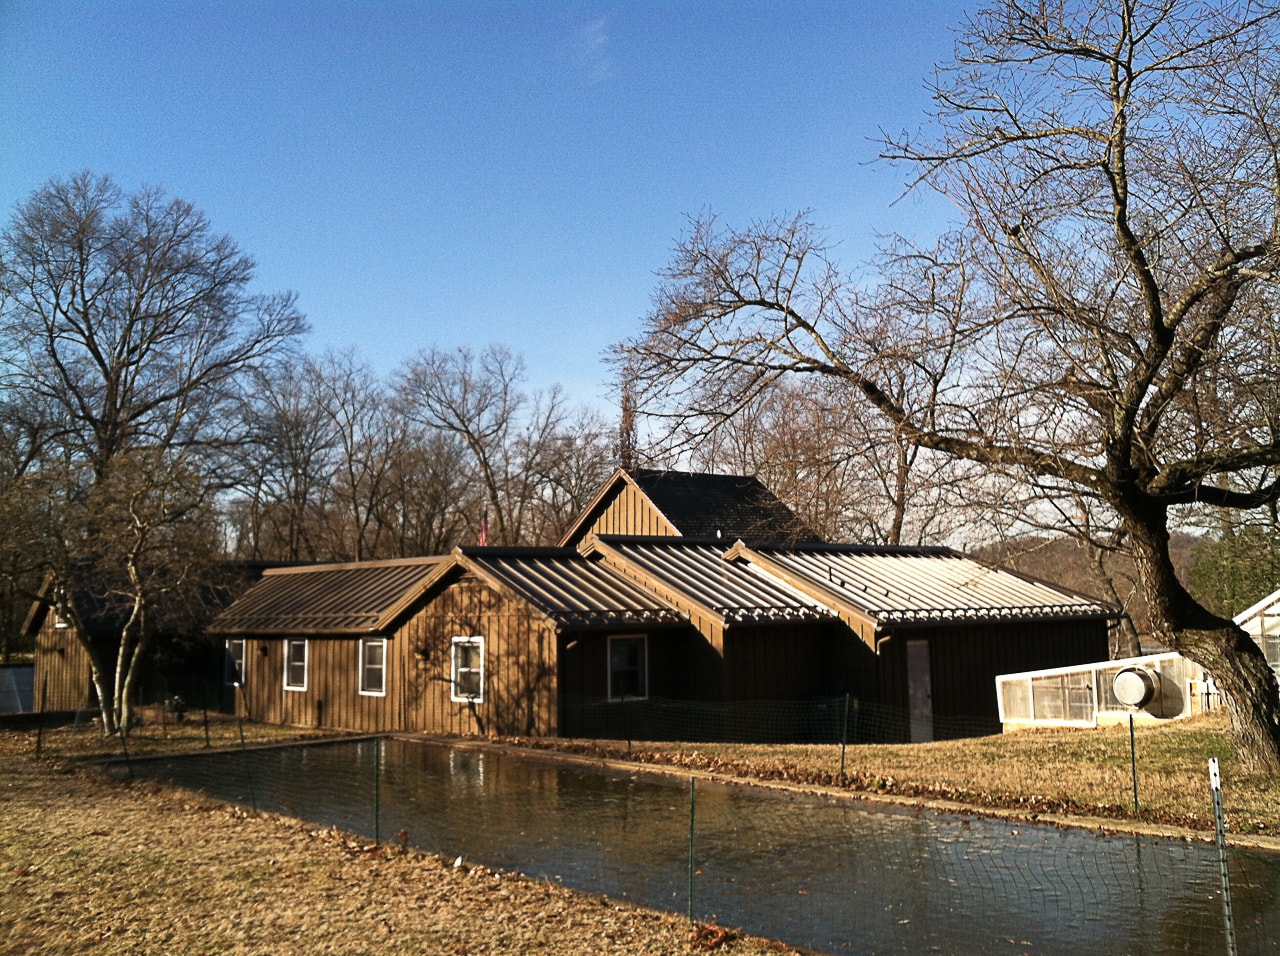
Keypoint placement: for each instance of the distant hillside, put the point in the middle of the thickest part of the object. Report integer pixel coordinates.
(1064, 561)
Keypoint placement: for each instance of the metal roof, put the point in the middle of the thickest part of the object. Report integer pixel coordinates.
(1259, 618)
(923, 585)
(326, 600)
(571, 590)
(737, 593)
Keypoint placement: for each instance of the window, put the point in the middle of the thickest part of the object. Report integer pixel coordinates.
(628, 667)
(235, 662)
(467, 675)
(295, 665)
(373, 666)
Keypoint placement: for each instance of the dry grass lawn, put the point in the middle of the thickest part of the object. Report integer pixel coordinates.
(88, 865)
(1064, 774)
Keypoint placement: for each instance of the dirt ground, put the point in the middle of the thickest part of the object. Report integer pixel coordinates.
(90, 865)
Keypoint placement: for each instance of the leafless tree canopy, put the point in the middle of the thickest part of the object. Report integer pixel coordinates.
(1104, 320)
(535, 461)
(127, 329)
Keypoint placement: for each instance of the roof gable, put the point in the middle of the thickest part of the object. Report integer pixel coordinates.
(1259, 618)
(695, 572)
(724, 507)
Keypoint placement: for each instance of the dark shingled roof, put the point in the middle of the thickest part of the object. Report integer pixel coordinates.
(724, 506)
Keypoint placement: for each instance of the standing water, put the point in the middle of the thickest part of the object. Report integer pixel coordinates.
(828, 873)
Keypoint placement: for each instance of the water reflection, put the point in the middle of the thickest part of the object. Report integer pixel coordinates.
(828, 874)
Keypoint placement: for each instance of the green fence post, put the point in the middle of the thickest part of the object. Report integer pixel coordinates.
(204, 709)
(844, 735)
(44, 693)
(377, 789)
(693, 799)
(248, 772)
(124, 748)
(1133, 763)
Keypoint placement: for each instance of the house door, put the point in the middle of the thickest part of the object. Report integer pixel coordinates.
(920, 691)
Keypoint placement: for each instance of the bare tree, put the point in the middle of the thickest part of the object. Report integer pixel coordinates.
(129, 326)
(525, 451)
(1116, 165)
(429, 503)
(370, 437)
(287, 466)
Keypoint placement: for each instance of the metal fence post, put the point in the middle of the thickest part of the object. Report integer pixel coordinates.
(1220, 830)
(844, 735)
(377, 789)
(693, 800)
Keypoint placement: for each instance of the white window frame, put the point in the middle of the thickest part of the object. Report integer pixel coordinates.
(454, 670)
(644, 673)
(289, 644)
(365, 690)
(233, 672)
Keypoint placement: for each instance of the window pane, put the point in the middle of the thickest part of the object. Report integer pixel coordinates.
(235, 662)
(372, 659)
(468, 669)
(296, 664)
(627, 667)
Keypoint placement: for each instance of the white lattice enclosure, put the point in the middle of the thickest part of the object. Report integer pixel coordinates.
(1082, 695)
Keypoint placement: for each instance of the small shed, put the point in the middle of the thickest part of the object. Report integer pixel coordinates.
(311, 646)
(62, 678)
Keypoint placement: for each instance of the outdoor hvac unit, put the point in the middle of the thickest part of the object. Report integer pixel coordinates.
(1136, 686)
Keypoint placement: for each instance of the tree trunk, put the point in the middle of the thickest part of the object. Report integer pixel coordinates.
(131, 636)
(1236, 663)
(103, 687)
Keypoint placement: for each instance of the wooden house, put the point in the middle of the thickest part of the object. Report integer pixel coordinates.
(586, 639)
(941, 627)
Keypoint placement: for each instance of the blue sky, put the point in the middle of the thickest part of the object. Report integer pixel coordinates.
(460, 173)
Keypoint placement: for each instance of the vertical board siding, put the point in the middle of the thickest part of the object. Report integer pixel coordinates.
(63, 676)
(519, 695)
(788, 661)
(964, 661)
(630, 512)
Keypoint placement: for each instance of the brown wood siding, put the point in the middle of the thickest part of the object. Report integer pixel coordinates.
(682, 666)
(965, 660)
(332, 698)
(260, 697)
(630, 512)
(792, 661)
(519, 694)
(63, 676)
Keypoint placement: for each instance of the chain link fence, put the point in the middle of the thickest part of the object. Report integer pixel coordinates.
(824, 872)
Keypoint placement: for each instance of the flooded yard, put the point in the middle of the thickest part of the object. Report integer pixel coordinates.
(832, 874)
